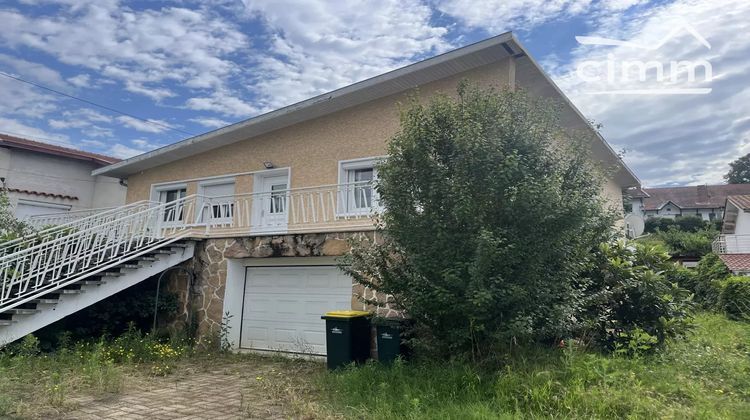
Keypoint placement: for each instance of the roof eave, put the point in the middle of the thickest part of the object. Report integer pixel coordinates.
(161, 155)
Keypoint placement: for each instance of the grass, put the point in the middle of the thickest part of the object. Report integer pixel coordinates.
(704, 377)
(707, 376)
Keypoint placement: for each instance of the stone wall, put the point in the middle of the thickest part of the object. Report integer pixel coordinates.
(209, 266)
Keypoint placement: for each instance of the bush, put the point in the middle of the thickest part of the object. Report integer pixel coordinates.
(691, 223)
(734, 298)
(654, 224)
(710, 274)
(682, 243)
(491, 209)
(629, 302)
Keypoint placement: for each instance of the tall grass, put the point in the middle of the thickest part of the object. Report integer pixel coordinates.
(35, 384)
(707, 376)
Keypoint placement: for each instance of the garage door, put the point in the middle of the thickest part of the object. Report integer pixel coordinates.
(282, 306)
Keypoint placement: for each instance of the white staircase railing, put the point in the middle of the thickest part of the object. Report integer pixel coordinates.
(64, 223)
(76, 253)
(39, 221)
(62, 255)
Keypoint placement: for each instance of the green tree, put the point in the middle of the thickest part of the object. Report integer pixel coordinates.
(10, 226)
(739, 171)
(491, 210)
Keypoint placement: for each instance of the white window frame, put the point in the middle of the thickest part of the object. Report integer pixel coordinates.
(201, 192)
(156, 191)
(343, 209)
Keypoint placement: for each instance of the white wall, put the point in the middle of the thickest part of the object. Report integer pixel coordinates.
(742, 227)
(34, 171)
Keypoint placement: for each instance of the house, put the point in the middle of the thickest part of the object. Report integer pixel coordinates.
(704, 201)
(733, 244)
(259, 211)
(42, 178)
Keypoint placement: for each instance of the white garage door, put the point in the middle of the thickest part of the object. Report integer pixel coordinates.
(282, 306)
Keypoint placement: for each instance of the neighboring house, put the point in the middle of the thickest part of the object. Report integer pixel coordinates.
(262, 208)
(42, 178)
(733, 245)
(704, 201)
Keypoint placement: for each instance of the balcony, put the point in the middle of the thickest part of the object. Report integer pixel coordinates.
(731, 244)
(328, 208)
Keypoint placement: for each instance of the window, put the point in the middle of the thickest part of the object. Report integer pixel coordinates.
(217, 198)
(174, 212)
(357, 192)
(278, 198)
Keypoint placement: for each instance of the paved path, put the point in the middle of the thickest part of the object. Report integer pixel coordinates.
(229, 392)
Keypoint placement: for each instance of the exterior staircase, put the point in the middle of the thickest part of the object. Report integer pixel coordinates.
(65, 268)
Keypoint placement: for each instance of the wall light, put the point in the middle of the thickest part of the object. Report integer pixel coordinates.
(268, 164)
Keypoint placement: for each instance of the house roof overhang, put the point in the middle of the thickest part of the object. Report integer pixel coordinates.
(403, 79)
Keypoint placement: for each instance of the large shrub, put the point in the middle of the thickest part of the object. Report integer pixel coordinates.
(734, 298)
(654, 224)
(682, 243)
(491, 211)
(629, 297)
(710, 274)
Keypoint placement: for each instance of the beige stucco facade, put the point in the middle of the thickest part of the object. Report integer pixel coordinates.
(310, 149)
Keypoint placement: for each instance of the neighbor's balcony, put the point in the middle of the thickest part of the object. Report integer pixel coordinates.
(328, 208)
(732, 244)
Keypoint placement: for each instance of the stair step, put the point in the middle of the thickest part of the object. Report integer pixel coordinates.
(4, 322)
(130, 266)
(109, 274)
(45, 301)
(71, 291)
(178, 245)
(164, 251)
(22, 311)
(146, 258)
(92, 282)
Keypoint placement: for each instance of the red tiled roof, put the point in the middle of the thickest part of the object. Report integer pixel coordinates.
(693, 197)
(43, 194)
(736, 262)
(741, 201)
(26, 144)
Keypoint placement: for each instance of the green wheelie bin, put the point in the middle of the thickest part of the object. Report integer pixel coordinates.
(390, 333)
(347, 337)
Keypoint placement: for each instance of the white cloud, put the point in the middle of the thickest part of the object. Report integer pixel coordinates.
(123, 152)
(680, 138)
(317, 46)
(32, 71)
(498, 16)
(143, 126)
(210, 122)
(19, 129)
(80, 81)
(222, 102)
(143, 49)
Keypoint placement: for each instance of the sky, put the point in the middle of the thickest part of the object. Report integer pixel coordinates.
(188, 67)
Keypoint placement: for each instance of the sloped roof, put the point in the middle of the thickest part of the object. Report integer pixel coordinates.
(741, 201)
(736, 262)
(694, 196)
(448, 64)
(51, 149)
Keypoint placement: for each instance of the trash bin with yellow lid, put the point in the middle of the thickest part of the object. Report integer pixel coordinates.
(347, 337)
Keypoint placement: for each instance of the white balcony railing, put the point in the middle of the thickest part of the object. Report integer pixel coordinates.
(342, 207)
(732, 244)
